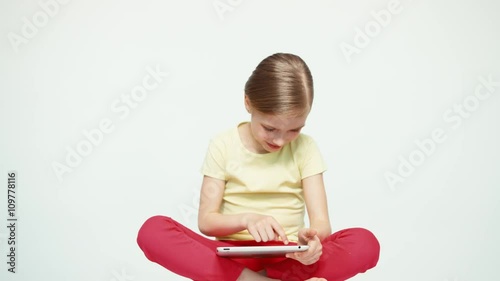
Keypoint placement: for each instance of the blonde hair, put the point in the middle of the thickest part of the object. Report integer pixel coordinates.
(281, 84)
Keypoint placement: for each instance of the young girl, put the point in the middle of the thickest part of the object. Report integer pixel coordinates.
(258, 179)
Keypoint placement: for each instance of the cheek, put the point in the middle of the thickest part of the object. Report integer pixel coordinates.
(263, 135)
(260, 134)
(291, 136)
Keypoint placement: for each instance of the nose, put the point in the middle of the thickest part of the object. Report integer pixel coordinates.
(279, 141)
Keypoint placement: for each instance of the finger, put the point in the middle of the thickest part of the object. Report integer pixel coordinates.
(263, 234)
(311, 253)
(270, 232)
(281, 232)
(311, 233)
(304, 235)
(254, 233)
(276, 236)
(304, 255)
(314, 259)
(312, 239)
(310, 260)
(315, 248)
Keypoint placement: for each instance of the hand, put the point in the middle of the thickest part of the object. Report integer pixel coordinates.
(308, 237)
(264, 228)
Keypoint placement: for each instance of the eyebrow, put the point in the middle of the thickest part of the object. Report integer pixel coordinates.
(271, 127)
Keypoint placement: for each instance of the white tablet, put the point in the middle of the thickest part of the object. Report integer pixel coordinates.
(259, 251)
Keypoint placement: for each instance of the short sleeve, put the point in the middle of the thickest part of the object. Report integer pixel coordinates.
(214, 163)
(310, 160)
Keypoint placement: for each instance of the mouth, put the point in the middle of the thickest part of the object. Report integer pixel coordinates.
(274, 147)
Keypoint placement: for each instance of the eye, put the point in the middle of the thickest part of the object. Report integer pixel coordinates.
(268, 129)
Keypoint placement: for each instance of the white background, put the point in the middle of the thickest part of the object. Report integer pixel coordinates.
(440, 224)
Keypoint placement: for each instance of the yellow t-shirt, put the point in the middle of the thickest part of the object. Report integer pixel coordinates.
(267, 184)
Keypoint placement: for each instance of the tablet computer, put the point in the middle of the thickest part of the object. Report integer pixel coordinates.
(259, 251)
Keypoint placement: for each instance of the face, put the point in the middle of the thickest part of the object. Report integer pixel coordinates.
(272, 132)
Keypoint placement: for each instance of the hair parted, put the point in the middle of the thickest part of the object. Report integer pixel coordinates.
(281, 84)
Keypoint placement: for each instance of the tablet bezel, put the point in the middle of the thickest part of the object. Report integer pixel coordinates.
(259, 251)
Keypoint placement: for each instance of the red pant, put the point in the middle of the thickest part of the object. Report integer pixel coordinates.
(184, 252)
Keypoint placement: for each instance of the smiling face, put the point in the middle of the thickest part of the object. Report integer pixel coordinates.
(279, 96)
(270, 133)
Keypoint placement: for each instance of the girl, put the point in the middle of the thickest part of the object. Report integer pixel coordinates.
(258, 179)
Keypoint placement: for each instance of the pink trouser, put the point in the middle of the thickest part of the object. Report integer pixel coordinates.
(189, 254)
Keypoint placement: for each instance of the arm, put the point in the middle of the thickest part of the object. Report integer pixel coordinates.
(315, 197)
(212, 223)
(316, 204)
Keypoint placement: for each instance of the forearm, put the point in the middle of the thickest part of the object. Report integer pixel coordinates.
(216, 224)
(323, 228)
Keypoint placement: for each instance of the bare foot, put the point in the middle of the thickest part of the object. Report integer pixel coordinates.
(249, 275)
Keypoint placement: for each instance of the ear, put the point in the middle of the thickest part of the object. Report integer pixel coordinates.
(247, 105)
